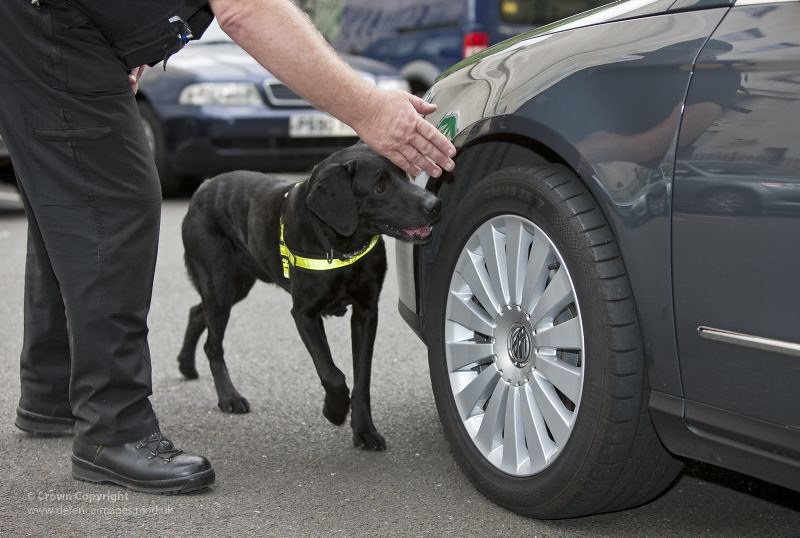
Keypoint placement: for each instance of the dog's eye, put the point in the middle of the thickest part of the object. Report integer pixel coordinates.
(380, 187)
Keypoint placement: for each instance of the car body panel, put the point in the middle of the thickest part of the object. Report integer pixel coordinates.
(755, 289)
(734, 265)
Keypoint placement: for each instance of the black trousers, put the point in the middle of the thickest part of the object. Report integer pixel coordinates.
(93, 200)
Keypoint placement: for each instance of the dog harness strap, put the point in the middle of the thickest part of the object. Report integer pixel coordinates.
(321, 264)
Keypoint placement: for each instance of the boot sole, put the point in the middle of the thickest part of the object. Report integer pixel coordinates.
(43, 425)
(89, 472)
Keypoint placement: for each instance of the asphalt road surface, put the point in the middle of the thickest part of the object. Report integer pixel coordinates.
(282, 469)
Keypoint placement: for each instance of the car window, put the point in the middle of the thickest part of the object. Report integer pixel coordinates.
(530, 12)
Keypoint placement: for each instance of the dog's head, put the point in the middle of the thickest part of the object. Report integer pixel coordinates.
(357, 189)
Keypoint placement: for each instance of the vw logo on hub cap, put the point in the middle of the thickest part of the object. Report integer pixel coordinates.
(519, 345)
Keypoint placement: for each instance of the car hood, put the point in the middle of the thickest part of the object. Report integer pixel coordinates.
(227, 61)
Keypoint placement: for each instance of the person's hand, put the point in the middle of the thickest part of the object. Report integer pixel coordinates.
(393, 127)
(134, 76)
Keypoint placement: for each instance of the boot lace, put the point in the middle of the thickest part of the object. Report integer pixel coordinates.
(159, 447)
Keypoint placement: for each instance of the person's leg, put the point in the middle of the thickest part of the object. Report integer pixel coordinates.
(45, 359)
(93, 203)
(93, 198)
(104, 256)
(77, 144)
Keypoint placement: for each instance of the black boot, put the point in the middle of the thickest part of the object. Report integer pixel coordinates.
(46, 425)
(152, 465)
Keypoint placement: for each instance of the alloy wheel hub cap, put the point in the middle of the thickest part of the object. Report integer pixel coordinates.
(514, 345)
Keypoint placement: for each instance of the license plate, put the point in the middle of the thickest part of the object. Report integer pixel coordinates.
(317, 125)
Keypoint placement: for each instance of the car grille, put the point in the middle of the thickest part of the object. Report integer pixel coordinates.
(281, 96)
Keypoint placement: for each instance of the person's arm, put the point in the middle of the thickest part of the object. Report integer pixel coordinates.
(282, 39)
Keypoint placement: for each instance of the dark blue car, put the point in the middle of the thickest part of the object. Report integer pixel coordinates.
(216, 109)
(614, 278)
(423, 37)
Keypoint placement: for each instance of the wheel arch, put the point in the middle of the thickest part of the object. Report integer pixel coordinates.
(542, 143)
(498, 142)
(491, 144)
(486, 146)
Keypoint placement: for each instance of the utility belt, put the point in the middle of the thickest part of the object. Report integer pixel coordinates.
(145, 32)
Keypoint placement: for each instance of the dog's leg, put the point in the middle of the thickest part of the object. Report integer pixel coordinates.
(363, 326)
(194, 329)
(217, 315)
(337, 397)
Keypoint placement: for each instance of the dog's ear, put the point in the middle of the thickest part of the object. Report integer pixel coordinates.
(331, 198)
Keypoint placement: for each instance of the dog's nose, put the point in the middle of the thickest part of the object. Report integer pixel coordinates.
(432, 206)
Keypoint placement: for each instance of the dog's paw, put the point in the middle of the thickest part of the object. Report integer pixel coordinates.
(238, 404)
(369, 440)
(336, 406)
(186, 367)
(189, 372)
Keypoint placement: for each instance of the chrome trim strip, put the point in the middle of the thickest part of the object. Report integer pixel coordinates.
(758, 2)
(747, 340)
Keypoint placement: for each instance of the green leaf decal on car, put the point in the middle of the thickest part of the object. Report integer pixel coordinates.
(448, 125)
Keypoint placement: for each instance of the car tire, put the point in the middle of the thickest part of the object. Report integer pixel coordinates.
(171, 183)
(604, 454)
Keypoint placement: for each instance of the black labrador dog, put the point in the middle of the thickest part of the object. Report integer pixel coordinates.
(320, 241)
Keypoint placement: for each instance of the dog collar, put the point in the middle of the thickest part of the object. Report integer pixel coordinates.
(288, 258)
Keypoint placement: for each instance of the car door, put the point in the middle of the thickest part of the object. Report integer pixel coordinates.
(736, 230)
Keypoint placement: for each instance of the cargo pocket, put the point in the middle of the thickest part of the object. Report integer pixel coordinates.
(85, 164)
(72, 135)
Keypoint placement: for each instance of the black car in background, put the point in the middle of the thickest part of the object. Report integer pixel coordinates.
(614, 281)
(216, 109)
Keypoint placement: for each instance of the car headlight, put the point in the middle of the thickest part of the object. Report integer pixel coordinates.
(393, 84)
(221, 93)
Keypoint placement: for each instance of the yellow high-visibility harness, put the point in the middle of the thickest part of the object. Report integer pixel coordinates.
(321, 264)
